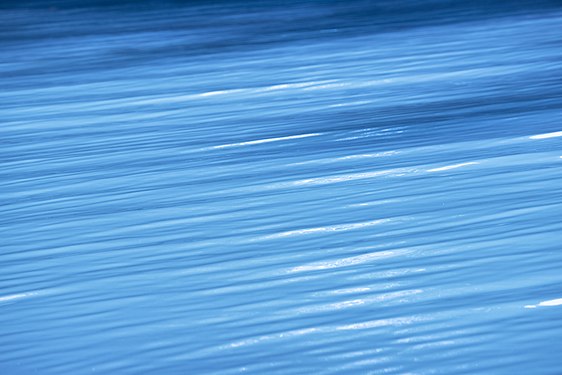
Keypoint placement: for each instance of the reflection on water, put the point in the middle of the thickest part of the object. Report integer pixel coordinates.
(321, 187)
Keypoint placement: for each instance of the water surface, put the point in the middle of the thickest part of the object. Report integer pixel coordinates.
(281, 187)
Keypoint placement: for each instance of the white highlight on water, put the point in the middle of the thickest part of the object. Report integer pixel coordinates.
(267, 140)
(552, 302)
(16, 296)
(332, 228)
(349, 261)
(379, 323)
(546, 135)
(454, 166)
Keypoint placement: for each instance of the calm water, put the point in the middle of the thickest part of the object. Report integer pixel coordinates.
(281, 187)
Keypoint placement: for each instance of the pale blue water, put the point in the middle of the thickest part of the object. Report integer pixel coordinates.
(281, 187)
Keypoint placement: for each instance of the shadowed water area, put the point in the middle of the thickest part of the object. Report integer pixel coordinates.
(290, 187)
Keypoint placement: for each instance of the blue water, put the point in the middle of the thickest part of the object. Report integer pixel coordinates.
(328, 187)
